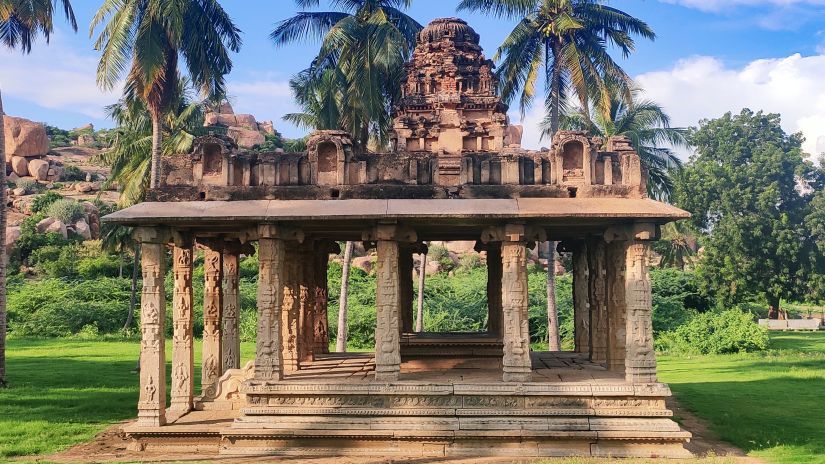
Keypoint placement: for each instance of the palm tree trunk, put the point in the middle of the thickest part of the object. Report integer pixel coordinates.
(341, 338)
(157, 137)
(120, 265)
(553, 342)
(133, 298)
(555, 89)
(2, 248)
(422, 273)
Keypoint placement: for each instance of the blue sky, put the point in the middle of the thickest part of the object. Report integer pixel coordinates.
(710, 56)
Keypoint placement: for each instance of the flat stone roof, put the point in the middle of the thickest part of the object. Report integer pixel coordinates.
(193, 213)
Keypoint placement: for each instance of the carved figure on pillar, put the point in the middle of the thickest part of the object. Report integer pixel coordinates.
(598, 301)
(581, 299)
(616, 306)
(152, 401)
(268, 357)
(183, 356)
(387, 303)
(640, 358)
(306, 314)
(230, 339)
(517, 365)
(212, 309)
(290, 312)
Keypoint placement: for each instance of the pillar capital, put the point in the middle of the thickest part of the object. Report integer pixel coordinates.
(643, 231)
(513, 233)
(147, 234)
(183, 238)
(390, 232)
(280, 232)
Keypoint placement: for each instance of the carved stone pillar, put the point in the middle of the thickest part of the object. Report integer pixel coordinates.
(268, 356)
(598, 300)
(230, 337)
(581, 298)
(212, 308)
(290, 311)
(640, 359)
(616, 306)
(405, 281)
(517, 366)
(494, 310)
(183, 353)
(388, 304)
(306, 302)
(152, 401)
(321, 328)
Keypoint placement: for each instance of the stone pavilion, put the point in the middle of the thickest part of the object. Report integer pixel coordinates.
(456, 172)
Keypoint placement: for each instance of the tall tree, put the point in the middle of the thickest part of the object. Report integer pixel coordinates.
(21, 22)
(647, 126)
(363, 49)
(750, 188)
(148, 38)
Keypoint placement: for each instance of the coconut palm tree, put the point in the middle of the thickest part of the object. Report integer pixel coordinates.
(363, 50)
(320, 97)
(149, 38)
(569, 39)
(21, 22)
(647, 126)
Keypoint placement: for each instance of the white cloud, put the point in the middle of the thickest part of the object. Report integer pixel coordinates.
(55, 76)
(703, 87)
(720, 5)
(267, 98)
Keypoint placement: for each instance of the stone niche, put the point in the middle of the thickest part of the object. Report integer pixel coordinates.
(575, 154)
(331, 159)
(211, 159)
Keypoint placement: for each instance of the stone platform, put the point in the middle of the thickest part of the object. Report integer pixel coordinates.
(439, 407)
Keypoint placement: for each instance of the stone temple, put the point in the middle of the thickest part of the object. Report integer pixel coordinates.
(456, 172)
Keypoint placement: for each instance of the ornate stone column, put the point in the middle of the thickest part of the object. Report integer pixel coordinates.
(306, 291)
(212, 308)
(321, 331)
(494, 310)
(152, 401)
(640, 358)
(616, 305)
(581, 298)
(388, 298)
(598, 300)
(230, 336)
(290, 311)
(514, 297)
(268, 355)
(405, 281)
(183, 353)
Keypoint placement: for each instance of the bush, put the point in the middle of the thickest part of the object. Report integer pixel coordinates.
(66, 210)
(72, 173)
(676, 298)
(30, 186)
(729, 331)
(44, 201)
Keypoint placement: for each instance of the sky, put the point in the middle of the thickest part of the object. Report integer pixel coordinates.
(709, 57)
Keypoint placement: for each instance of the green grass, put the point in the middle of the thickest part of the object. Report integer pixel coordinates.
(770, 404)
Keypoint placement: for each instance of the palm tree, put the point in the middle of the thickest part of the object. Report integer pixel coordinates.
(129, 153)
(678, 245)
(320, 97)
(570, 40)
(21, 22)
(149, 37)
(647, 126)
(360, 62)
(341, 338)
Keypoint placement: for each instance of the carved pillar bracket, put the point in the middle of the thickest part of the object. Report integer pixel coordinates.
(516, 363)
(268, 356)
(640, 358)
(212, 363)
(183, 356)
(388, 298)
(152, 400)
(230, 336)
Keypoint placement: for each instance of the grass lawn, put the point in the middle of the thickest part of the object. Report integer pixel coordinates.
(770, 404)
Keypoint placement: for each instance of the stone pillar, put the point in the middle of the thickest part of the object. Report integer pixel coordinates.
(388, 305)
(616, 306)
(183, 355)
(321, 328)
(230, 336)
(212, 308)
(290, 311)
(405, 282)
(268, 356)
(598, 301)
(306, 311)
(494, 309)
(514, 296)
(640, 359)
(152, 401)
(581, 297)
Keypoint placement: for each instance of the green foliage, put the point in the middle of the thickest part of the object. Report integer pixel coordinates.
(66, 210)
(441, 255)
(30, 240)
(74, 260)
(750, 189)
(30, 186)
(271, 143)
(72, 173)
(676, 298)
(729, 331)
(58, 138)
(44, 201)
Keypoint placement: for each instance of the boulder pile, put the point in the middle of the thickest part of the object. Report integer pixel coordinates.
(27, 145)
(244, 128)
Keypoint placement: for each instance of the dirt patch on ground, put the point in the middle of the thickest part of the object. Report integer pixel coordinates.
(704, 442)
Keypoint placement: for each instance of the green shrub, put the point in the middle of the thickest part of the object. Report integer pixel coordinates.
(30, 186)
(729, 331)
(441, 255)
(72, 173)
(66, 210)
(676, 298)
(44, 201)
